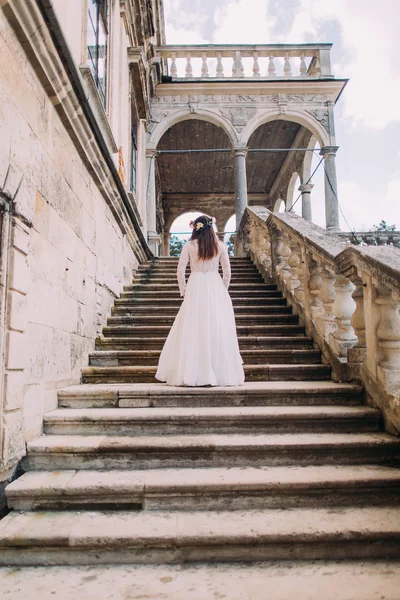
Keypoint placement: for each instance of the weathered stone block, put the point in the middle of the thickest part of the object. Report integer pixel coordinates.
(19, 272)
(13, 390)
(18, 314)
(33, 410)
(13, 441)
(16, 350)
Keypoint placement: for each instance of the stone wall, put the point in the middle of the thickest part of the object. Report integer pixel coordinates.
(69, 255)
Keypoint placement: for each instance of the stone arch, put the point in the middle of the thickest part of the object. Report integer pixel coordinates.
(183, 115)
(291, 189)
(308, 159)
(301, 118)
(277, 206)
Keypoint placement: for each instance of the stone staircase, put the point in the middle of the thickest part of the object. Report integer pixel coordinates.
(291, 466)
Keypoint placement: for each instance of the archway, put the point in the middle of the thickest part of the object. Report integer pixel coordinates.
(195, 172)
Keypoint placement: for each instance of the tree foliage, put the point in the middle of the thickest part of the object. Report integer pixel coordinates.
(383, 226)
(175, 245)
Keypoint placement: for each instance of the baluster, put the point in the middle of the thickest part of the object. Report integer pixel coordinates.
(204, 65)
(388, 334)
(220, 66)
(314, 286)
(271, 67)
(343, 308)
(174, 70)
(303, 66)
(299, 292)
(256, 66)
(237, 70)
(326, 321)
(286, 252)
(188, 70)
(358, 353)
(287, 69)
(294, 261)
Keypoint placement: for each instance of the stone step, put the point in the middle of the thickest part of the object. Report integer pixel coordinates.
(188, 421)
(163, 330)
(245, 342)
(127, 537)
(151, 357)
(206, 489)
(257, 372)
(128, 307)
(173, 286)
(330, 580)
(241, 319)
(60, 452)
(243, 294)
(266, 393)
(154, 303)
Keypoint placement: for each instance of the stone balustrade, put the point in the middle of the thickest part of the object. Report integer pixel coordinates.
(282, 61)
(372, 238)
(347, 297)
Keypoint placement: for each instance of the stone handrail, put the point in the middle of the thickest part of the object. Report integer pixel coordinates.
(281, 61)
(347, 297)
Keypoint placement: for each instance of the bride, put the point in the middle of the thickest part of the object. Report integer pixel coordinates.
(202, 346)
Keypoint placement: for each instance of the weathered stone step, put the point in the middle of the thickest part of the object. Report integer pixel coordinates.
(151, 357)
(257, 372)
(163, 330)
(243, 294)
(136, 537)
(207, 489)
(331, 580)
(189, 421)
(241, 319)
(154, 303)
(266, 393)
(173, 286)
(55, 452)
(138, 342)
(140, 309)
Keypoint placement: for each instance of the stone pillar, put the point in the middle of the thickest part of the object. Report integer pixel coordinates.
(331, 194)
(305, 190)
(165, 247)
(240, 183)
(153, 238)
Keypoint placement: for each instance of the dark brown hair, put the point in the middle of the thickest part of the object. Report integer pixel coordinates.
(207, 240)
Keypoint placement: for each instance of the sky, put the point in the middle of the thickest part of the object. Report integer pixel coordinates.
(365, 35)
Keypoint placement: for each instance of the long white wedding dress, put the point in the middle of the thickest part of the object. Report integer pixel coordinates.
(202, 346)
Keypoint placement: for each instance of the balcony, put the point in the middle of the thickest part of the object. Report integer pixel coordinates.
(260, 62)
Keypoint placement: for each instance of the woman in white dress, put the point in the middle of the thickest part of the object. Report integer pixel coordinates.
(202, 346)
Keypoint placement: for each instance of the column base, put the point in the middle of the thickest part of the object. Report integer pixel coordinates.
(153, 240)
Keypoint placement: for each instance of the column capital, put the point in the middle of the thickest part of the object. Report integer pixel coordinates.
(306, 188)
(328, 150)
(240, 151)
(151, 152)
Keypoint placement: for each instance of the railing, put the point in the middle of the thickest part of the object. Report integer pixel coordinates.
(372, 238)
(348, 298)
(303, 61)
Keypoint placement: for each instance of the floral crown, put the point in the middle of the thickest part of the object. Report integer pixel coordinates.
(199, 225)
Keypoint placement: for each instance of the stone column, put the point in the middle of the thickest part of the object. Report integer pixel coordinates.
(165, 247)
(153, 238)
(240, 183)
(331, 194)
(305, 190)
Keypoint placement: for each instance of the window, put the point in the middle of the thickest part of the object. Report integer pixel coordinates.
(97, 45)
(133, 155)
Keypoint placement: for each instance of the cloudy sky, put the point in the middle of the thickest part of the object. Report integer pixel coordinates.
(365, 34)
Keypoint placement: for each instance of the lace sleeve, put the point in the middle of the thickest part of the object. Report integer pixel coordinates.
(181, 270)
(226, 266)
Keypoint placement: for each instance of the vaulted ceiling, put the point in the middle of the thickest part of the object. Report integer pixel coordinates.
(212, 173)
